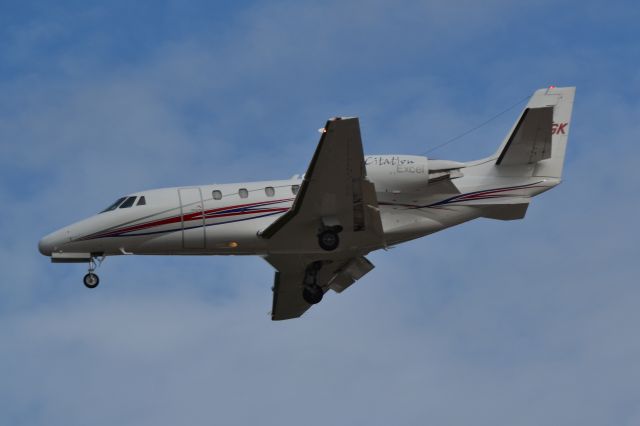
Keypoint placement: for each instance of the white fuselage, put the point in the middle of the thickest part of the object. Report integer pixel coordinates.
(228, 218)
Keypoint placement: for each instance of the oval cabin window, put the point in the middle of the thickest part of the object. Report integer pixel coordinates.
(217, 195)
(243, 193)
(295, 189)
(270, 191)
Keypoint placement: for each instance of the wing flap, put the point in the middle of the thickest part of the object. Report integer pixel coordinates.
(351, 272)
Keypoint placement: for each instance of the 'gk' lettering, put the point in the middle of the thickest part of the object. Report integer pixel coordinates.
(559, 128)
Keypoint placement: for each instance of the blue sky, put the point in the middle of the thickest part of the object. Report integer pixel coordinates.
(529, 322)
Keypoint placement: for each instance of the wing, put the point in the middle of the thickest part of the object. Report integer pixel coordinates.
(336, 275)
(333, 193)
(530, 140)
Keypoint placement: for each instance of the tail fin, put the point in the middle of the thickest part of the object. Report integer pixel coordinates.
(539, 137)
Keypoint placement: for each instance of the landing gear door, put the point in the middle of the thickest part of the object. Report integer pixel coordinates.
(191, 210)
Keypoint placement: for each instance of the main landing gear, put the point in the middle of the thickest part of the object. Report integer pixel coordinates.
(328, 238)
(312, 293)
(91, 279)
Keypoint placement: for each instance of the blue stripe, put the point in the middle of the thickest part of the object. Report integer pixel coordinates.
(191, 227)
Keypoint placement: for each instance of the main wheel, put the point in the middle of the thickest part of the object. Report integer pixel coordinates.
(328, 240)
(312, 294)
(91, 280)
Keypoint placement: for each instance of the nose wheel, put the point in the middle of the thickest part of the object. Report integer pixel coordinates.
(91, 279)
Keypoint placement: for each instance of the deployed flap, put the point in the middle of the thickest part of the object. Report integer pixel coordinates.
(530, 140)
(350, 272)
(334, 192)
(289, 280)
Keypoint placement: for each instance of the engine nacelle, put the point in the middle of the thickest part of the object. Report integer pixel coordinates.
(398, 173)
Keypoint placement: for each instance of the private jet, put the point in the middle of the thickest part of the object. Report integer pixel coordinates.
(316, 229)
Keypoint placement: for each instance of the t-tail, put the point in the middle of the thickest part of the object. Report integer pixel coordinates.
(529, 160)
(537, 142)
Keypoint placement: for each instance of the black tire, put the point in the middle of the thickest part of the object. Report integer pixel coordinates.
(328, 240)
(312, 294)
(91, 280)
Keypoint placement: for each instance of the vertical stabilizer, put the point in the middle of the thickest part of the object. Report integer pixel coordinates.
(537, 143)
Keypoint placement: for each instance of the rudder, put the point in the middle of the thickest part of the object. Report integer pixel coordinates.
(563, 108)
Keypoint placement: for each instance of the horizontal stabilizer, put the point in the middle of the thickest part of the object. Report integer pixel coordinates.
(512, 209)
(530, 140)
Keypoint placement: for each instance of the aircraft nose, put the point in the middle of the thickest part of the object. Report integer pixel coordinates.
(51, 242)
(45, 246)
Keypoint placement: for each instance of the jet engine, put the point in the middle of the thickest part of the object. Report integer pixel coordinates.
(405, 174)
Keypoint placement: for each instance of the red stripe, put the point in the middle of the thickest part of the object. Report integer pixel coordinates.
(282, 209)
(194, 216)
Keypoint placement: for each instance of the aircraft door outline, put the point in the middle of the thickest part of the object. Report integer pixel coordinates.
(194, 230)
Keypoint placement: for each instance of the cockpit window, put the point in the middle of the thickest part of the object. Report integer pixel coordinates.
(128, 202)
(142, 201)
(114, 205)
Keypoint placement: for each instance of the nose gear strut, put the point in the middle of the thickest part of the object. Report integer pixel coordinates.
(91, 279)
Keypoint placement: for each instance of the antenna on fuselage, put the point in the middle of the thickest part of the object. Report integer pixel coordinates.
(476, 127)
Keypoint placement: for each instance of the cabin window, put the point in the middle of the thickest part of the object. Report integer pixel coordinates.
(295, 189)
(142, 201)
(128, 202)
(243, 193)
(270, 191)
(114, 205)
(217, 195)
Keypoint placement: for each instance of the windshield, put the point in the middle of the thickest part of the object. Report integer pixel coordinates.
(114, 205)
(128, 203)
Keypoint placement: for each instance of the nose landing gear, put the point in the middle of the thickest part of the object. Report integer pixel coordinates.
(91, 279)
